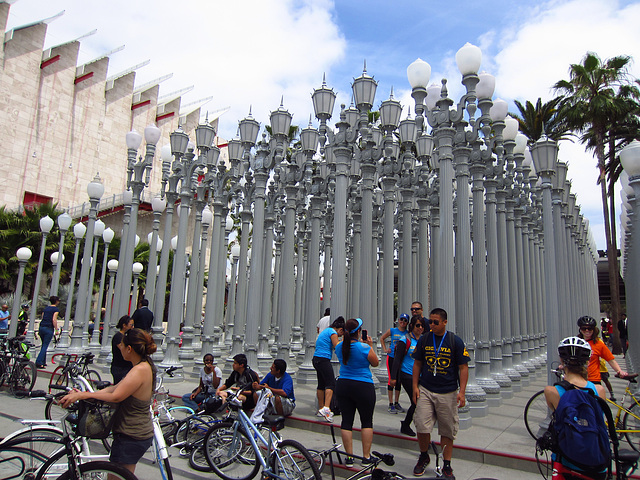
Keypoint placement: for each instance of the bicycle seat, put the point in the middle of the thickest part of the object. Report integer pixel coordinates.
(628, 456)
(276, 421)
(387, 458)
(102, 384)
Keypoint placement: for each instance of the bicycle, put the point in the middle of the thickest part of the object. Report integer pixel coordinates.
(537, 415)
(73, 364)
(369, 472)
(236, 451)
(16, 369)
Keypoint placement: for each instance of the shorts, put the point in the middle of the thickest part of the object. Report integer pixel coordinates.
(127, 450)
(440, 407)
(324, 371)
(287, 406)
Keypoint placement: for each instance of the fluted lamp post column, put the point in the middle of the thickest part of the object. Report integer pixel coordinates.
(109, 323)
(64, 222)
(107, 238)
(95, 189)
(46, 224)
(78, 232)
(136, 269)
(545, 157)
(630, 159)
(24, 255)
(158, 206)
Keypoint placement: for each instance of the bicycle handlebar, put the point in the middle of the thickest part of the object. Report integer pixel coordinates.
(387, 458)
(629, 377)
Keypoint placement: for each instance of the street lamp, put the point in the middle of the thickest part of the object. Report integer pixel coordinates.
(630, 159)
(23, 254)
(64, 222)
(78, 232)
(545, 158)
(105, 350)
(136, 270)
(95, 189)
(46, 224)
(158, 206)
(107, 238)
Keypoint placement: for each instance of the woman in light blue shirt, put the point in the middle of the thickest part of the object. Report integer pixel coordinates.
(355, 389)
(325, 343)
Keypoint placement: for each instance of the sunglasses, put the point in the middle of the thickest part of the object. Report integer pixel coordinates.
(414, 309)
(435, 322)
(418, 325)
(587, 329)
(404, 320)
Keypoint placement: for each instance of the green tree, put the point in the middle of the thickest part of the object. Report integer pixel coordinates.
(590, 104)
(541, 118)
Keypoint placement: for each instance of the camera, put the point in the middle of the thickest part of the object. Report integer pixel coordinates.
(365, 334)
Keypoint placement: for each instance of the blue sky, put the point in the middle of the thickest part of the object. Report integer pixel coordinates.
(252, 53)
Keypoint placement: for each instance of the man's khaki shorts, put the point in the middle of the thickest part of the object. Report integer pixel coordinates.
(440, 407)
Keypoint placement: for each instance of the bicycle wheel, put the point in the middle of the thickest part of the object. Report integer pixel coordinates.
(631, 421)
(180, 414)
(387, 476)
(93, 377)
(3, 372)
(536, 415)
(318, 458)
(101, 471)
(163, 463)
(198, 459)
(229, 453)
(190, 431)
(291, 460)
(23, 379)
(19, 462)
(33, 431)
(53, 410)
(58, 378)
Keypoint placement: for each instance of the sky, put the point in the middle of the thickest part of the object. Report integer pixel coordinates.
(255, 54)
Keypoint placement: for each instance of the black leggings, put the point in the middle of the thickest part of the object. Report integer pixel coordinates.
(355, 395)
(407, 383)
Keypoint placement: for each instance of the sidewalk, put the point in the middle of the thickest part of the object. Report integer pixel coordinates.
(496, 446)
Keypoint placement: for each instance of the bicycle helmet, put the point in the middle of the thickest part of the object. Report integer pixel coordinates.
(574, 351)
(587, 321)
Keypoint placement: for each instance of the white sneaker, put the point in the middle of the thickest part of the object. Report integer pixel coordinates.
(327, 414)
(319, 413)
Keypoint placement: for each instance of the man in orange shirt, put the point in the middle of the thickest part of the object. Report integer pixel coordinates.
(589, 331)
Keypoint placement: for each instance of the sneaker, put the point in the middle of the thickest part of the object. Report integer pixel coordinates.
(406, 429)
(421, 466)
(392, 408)
(327, 414)
(447, 472)
(348, 462)
(319, 413)
(367, 461)
(398, 408)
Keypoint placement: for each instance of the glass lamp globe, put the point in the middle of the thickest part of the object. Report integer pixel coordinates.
(23, 254)
(112, 265)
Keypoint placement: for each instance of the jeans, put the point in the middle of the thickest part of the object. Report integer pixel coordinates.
(46, 334)
(193, 404)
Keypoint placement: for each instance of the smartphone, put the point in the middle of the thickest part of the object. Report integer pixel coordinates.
(365, 334)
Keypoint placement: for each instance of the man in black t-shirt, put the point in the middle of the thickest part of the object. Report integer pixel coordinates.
(242, 375)
(440, 367)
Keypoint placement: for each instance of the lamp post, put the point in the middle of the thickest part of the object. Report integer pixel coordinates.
(78, 232)
(545, 157)
(46, 224)
(98, 229)
(136, 269)
(158, 205)
(136, 182)
(107, 329)
(95, 189)
(630, 159)
(64, 222)
(23, 254)
(107, 238)
(207, 218)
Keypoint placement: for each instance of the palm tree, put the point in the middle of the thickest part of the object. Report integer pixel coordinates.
(589, 105)
(541, 119)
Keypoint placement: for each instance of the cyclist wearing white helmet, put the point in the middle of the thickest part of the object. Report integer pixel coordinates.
(574, 355)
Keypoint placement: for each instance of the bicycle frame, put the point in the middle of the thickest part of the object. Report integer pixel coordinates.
(620, 406)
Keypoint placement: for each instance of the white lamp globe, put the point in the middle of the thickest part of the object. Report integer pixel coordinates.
(46, 224)
(468, 59)
(418, 73)
(112, 265)
(79, 230)
(137, 268)
(23, 254)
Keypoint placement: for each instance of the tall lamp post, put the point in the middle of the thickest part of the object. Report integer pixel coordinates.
(107, 238)
(136, 269)
(78, 232)
(95, 189)
(64, 222)
(46, 224)
(545, 157)
(112, 265)
(630, 159)
(23, 254)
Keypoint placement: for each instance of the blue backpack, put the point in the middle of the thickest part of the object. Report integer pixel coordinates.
(580, 433)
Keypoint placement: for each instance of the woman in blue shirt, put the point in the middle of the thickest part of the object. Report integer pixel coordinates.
(402, 371)
(354, 389)
(325, 343)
